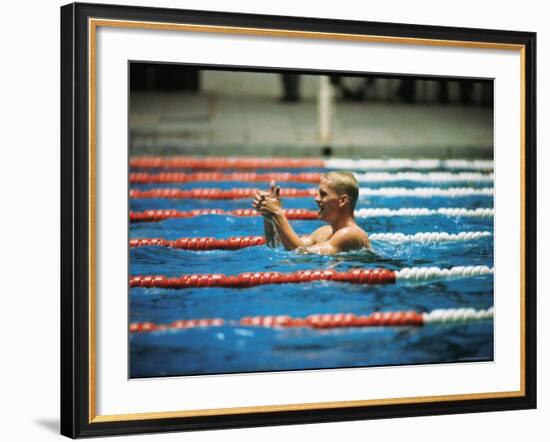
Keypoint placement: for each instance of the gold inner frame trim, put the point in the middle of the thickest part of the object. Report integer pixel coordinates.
(92, 27)
(300, 407)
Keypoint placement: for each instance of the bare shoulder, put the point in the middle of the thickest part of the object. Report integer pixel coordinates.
(321, 234)
(352, 237)
(317, 236)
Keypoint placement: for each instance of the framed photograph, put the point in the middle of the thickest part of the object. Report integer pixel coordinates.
(275, 220)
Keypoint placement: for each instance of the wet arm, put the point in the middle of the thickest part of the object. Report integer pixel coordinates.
(287, 235)
(271, 236)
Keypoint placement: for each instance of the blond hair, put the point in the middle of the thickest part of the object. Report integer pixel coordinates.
(344, 183)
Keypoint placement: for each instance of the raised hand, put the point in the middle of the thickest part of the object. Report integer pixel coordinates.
(275, 191)
(268, 203)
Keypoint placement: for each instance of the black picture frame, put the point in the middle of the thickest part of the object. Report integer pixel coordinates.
(77, 404)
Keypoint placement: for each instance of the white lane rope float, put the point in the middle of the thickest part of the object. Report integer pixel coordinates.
(428, 237)
(457, 315)
(248, 193)
(304, 177)
(429, 274)
(480, 212)
(451, 316)
(242, 242)
(369, 276)
(426, 192)
(304, 214)
(248, 163)
(435, 177)
(396, 163)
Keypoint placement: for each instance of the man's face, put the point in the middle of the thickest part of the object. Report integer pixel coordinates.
(328, 200)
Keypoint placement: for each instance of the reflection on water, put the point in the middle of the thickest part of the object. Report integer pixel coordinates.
(343, 260)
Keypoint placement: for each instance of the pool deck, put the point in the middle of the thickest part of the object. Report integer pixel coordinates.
(180, 123)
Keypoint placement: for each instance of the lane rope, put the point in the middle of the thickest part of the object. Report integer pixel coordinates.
(457, 315)
(241, 242)
(429, 274)
(224, 163)
(356, 276)
(175, 177)
(159, 215)
(215, 194)
(205, 243)
(304, 214)
(242, 193)
(420, 164)
(436, 177)
(370, 177)
(186, 162)
(329, 320)
(427, 237)
(481, 212)
(427, 192)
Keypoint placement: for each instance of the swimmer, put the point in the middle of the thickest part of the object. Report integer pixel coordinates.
(336, 199)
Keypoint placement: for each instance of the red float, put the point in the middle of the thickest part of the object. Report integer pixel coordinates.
(159, 215)
(324, 321)
(223, 163)
(214, 194)
(181, 177)
(249, 279)
(233, 243)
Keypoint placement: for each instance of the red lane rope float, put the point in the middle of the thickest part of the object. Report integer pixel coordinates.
(338, 320)
(376, 319)
(251, 279)
(240, 242)
(176, 177)
(224, 163)
(159, 215)
(233, 243)
(176, 325)
(214, 194)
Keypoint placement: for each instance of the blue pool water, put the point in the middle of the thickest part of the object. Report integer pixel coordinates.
(230, 348)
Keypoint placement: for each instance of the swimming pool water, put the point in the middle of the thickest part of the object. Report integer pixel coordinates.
(230, 349)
